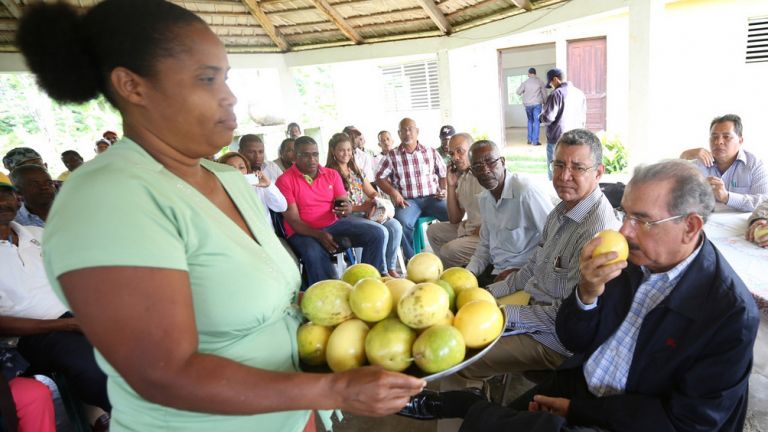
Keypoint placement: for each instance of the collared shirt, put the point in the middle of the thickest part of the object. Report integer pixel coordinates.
(364, 161)
(281, 165)
(444, 154)
(746, 180)
(607, 369)
(24, 288)
(533, 91)
(272, 199)
(414, 174)
(24, 217)
(512, 225)
(467, 191)
(313, 201)
(565, 109)
(552, 271)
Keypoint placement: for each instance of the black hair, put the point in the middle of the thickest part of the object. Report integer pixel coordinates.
(71, 153)
(284, 144)
(73, 54)
(575, 137)
(302, 141)
(18, 173)
(249, 138)
(738, 128)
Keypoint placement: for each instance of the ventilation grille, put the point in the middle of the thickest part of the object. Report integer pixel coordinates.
(757, 40)
(411, 86)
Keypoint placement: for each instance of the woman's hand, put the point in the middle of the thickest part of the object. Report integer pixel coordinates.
(263, 179)
(373, 391)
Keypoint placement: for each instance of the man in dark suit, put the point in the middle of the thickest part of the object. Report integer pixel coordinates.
(663, 343)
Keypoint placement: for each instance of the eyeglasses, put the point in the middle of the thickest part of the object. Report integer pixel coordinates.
(646, 225)
(576, 170)
(307, 155)
(489, 164)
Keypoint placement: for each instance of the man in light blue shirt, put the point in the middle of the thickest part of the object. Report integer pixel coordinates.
(738, 178)
(513, 209)
(37, 190)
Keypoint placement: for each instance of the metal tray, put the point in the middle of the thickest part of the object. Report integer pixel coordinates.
(470, 357)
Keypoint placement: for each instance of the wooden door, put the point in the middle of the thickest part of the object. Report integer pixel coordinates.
(587, 71)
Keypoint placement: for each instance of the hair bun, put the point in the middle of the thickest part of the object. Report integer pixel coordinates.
(49, 37)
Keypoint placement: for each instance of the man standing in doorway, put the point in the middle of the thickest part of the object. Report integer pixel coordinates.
(533, 93)
(565, 109)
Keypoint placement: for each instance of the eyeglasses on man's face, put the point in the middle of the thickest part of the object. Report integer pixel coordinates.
(645, 225)
(558, 167)
(486, 164)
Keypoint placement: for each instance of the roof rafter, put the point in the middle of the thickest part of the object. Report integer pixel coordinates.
(436, 15)
(336, 18)
(12, 7)
(265, 23)
(523, 4)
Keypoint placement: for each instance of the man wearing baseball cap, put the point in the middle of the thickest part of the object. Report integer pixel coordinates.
(565, 109)
(22, 156)
(446, 132)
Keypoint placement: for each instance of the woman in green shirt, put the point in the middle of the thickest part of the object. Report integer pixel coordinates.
(165, 259)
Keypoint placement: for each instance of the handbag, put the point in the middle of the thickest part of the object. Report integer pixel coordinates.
(382, 210)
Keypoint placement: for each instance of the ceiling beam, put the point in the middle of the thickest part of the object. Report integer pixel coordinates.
(266, 24)
(436, 15)
(523, 4)
(12, 7)
(336, 18)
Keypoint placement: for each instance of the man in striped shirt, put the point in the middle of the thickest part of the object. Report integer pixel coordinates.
(738, 178)
(413, 175)
(552, 270)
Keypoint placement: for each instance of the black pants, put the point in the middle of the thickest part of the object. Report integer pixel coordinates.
(487, 417)
(69, 354)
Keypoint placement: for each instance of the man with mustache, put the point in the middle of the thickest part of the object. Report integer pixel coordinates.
(513, 210)
(738, 178)
(49, 336)
(37, 190)
(660, 344)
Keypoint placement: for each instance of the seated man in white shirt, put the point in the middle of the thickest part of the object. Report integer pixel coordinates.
(738, 178)
(252, 147)
(49, 336)
(513, 211)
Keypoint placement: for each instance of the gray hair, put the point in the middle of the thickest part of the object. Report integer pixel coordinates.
(691, 193)
(17, 175)
(466, 136)
(482, 143)
(576, 137)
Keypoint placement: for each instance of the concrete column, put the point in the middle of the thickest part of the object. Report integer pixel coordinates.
(646, 25)
(444, 83)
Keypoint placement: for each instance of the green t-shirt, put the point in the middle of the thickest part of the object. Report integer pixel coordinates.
(125, 209)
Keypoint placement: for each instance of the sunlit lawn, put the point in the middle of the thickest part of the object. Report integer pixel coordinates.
(526, 163)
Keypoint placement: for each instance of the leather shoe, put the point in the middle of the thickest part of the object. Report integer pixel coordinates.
(429, 404)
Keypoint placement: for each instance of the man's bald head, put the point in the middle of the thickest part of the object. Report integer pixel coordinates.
(408, 132)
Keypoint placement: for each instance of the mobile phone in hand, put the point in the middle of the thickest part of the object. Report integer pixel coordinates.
(339, 203)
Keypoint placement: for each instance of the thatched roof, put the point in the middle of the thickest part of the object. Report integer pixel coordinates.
(252, 26)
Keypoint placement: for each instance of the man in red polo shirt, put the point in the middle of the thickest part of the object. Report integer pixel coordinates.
(316, 215)
(413, 175)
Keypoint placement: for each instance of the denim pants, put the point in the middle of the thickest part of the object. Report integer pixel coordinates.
(533, 111)
(395, 231)
(550, 156)
(418, 207)
(363, 233)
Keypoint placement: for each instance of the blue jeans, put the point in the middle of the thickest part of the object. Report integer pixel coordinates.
(533, 111)
(417, 207)
(550, 156)
(363, 233)
(395, 232)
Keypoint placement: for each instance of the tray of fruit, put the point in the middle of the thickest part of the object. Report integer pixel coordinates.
(431, 324)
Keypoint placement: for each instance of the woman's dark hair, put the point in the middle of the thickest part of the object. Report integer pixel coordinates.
(73, 54)
(229, 155)
(331, 162)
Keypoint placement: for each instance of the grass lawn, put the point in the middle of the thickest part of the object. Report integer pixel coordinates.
(526, 163)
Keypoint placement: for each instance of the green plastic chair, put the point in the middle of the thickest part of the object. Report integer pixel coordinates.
(418, 233)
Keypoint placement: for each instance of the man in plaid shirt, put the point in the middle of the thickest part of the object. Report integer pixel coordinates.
(413, 175)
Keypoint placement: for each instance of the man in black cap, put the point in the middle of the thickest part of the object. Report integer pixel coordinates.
(565, 109)
(533, 93)
(446, 132)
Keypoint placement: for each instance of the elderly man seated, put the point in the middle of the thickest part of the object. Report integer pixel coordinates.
(50, 338)
(757, 229)
(316, 216)
(737, 177)
(38, 191)
(455, 241)
(513, 210)
(663, 343)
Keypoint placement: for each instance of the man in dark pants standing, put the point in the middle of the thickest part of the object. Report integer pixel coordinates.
(661, 344)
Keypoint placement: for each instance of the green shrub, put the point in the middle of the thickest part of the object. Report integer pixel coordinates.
(615, 157)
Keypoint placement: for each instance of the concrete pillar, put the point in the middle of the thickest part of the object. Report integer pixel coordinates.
(444, 83)
(646, 24)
